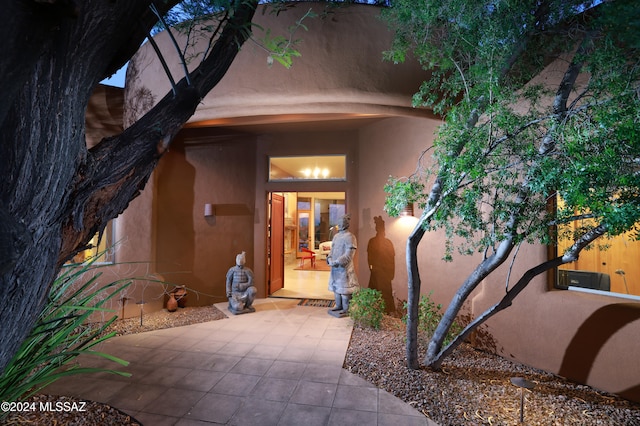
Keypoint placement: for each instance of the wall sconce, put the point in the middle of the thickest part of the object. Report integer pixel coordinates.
(208, 210)
(407, 210)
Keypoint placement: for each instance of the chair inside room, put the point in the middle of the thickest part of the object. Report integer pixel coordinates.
(307, 254)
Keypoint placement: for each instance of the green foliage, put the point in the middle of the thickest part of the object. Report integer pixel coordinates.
(200, 21)
(367, 308)
(509, 143)
(62, 333)
(400, 192)
(429, 315)
(282, 49)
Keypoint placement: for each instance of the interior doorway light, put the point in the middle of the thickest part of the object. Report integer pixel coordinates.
(318, 167)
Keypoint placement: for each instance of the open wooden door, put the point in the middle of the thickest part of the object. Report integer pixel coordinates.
(276, 244)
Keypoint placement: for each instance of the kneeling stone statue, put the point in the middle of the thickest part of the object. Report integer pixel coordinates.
(240, 289)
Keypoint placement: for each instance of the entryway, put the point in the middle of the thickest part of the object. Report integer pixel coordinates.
(300, 226)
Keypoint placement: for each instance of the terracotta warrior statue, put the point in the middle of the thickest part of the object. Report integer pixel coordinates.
(343, 281)
(240, 289)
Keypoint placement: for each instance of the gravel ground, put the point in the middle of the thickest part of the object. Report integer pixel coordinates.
(473, 389)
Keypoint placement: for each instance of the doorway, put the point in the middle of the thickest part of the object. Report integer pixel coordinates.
(308, 222)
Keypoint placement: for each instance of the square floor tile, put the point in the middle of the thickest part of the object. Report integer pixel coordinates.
(135, 396)
(221, 363)
(200, 380)
(155, 419)
(174, 402)
(236, 384)
(340, 417)
(322, 373)
(350, 379)
(103, 390)
(265, 351)
(307, 415)
(272, 389)
(356, 398)
(238, 349)
(314, 393)
(387, 403)
(296, 354)
(258, 413)
(207, 346)
(162, 356)
(215, 408)
(252, 366)
(165, 376)
(286, 370)
(328, 357)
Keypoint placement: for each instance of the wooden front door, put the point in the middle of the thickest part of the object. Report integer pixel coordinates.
(276, 244)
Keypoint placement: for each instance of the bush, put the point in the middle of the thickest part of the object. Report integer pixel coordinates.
(367, 308)
(429, 315)
(61, 334)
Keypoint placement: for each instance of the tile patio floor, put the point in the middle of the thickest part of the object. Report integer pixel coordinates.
(281, 365)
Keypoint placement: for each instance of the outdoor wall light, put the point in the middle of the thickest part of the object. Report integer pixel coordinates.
(208, 210)
(407, 210)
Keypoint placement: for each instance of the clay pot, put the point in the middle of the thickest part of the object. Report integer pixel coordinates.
(172, 303)
(180, 294)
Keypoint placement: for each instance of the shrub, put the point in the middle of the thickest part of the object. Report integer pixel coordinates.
(61, 334)
(429, 315)
(367, 308)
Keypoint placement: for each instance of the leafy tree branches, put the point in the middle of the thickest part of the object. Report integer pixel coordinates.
(539, 98)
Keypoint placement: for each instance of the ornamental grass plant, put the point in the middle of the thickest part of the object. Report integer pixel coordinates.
(63, 332)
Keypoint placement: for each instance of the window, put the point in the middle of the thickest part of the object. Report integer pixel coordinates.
(611, 265)
(99, 246)
(327, 215)
(321, 167)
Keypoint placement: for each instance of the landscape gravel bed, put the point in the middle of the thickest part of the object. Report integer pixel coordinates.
(474, 387)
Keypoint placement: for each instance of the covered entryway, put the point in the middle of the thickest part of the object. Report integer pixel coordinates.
(300, 228)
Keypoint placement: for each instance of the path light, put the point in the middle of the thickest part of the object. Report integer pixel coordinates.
(141, 303)
(522, 384)
(123, 300)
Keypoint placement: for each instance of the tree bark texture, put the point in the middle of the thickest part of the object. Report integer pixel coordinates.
(55, 193)
(413, 293)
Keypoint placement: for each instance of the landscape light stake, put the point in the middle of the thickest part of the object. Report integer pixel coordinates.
(123, 300)
(522, 384)
(141, 303)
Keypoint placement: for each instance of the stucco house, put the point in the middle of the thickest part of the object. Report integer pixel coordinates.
(226, 187)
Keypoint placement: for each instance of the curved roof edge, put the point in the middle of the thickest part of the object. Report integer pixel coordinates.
(340, 71)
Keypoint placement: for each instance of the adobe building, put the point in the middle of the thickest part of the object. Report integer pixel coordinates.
(340, 107)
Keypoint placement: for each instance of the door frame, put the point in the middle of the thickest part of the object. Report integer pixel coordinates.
(294, 237)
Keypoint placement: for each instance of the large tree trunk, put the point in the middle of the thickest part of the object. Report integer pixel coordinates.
(413, 293)
(55, 194)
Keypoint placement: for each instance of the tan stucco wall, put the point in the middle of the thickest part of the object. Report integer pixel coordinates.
(192, 249)
(591, 338)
